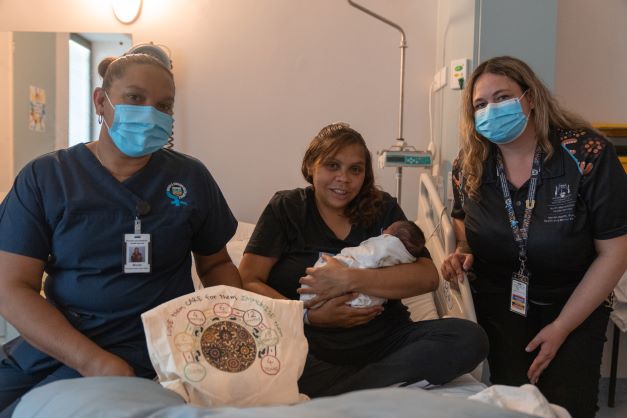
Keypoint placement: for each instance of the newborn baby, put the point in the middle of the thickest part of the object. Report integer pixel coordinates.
(401, 242)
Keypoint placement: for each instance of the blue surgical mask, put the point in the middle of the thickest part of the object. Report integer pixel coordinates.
(501, 123)
(139, 130)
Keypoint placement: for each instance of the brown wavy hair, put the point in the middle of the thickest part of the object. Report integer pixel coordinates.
(366, 206)
(547, 114)
(113, 68)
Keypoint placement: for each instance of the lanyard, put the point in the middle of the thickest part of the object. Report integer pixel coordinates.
(520, 233)
(142, 208)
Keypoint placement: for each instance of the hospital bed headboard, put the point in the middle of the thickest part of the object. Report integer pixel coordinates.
(438, 229)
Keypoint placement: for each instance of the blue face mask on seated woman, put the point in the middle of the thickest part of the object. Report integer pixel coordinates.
(139, 130)
(501, 123)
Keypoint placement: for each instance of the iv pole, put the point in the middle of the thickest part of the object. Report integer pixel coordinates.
(400, 142)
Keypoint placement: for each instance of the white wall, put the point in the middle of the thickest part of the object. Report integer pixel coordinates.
(591, 63)
(455, 40)
(592, 58)
(6, 113)
(257, 79)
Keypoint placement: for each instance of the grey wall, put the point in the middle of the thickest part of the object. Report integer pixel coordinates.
(33, 65)
(525, 29)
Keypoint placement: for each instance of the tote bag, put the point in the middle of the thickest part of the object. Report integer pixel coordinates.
(226, 346)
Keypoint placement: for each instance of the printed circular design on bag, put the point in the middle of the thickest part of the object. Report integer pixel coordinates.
(228, 346)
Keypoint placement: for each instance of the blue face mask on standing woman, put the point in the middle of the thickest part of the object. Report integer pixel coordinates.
(139, 130)
(501, 123)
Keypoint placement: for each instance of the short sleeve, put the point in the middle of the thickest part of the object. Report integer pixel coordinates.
(457, 180)
(603, 187)
(219, 224)
(269, 239)
(24, 229)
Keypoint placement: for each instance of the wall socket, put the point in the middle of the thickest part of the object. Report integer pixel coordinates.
(459, 73)
(439, 79)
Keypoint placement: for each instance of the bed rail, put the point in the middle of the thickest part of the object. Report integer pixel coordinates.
(450, 300)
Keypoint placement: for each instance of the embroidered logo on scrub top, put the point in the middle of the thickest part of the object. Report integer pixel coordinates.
(176, 192)
(562, 205)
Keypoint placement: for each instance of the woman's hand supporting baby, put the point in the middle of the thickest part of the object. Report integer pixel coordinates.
(326, 282)
(336, 313)
(331, 284)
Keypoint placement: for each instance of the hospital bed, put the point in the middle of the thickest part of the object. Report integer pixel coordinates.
(131, 397)
(438, 230)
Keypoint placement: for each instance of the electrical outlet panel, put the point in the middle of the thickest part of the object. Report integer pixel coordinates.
(459, 73)
(439, 79)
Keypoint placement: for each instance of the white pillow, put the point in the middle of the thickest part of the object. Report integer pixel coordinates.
(236, 248)
(421, 307)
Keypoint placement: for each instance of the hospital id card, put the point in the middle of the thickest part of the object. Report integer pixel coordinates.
(519, 301)
(137, 253)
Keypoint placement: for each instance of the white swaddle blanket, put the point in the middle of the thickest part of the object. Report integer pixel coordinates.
(227, 346)
(380, 251)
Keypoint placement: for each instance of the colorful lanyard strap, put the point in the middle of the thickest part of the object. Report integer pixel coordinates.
(520, 233)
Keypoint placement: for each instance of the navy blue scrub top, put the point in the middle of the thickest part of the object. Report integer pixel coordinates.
(67, 209)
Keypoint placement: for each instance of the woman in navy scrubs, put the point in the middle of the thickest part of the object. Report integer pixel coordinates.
(79, 214)
(540, 215)
(352, 348)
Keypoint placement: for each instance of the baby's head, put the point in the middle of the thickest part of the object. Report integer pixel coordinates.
(410, 235)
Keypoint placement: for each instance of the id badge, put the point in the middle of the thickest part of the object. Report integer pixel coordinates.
(519, 301)
(137, 253)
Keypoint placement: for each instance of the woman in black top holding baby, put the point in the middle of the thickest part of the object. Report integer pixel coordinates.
(352, 348)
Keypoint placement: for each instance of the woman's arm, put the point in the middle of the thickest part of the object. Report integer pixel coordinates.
(255, 270)
(43, 326)
(395, 282)
(216, 269)
(454, 265)
(598, 282)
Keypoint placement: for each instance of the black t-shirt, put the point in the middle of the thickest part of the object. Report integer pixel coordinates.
(581, 196)
(291, 229)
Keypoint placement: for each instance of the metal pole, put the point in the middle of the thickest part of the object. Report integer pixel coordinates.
(402, 99)
(403, 46)
(399, 177)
